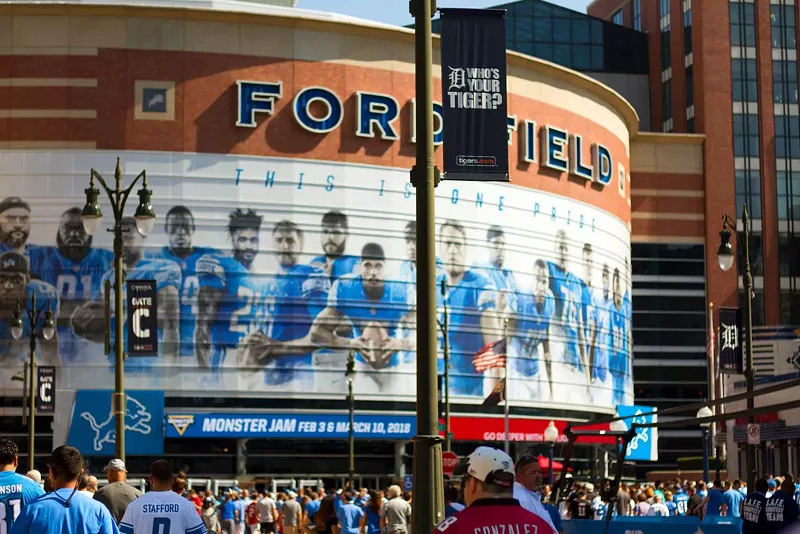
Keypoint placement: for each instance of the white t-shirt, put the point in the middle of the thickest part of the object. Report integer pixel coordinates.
(161, 512)
(658, 509)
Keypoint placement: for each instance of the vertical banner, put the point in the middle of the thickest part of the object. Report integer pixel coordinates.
(142, 318)
(474, 94)
(731, 359)
(45, 390)
(644, 445)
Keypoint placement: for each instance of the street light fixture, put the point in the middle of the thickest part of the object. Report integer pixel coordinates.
(725, 258)
(48, 331)
(350, 373)
(145, 219)
(550, 436)
(703, 412)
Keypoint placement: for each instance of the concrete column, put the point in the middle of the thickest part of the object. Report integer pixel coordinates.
(399, 458)
(241, 456)
(732, 458)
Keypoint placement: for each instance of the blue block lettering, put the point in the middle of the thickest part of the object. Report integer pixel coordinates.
(333, 116)
(375, 109)
(602, 165)
(555, 141)
(256, 97)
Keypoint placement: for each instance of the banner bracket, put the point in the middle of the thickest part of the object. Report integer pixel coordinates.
(437, 176)
(411, 7)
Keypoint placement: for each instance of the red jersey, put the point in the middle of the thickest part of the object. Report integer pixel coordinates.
(496, 516)
(251, 514)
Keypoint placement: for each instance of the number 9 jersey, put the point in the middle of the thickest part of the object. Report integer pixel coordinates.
(161, 512)
(16, 491)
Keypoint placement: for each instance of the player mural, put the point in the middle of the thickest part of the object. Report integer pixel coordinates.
(269, 272)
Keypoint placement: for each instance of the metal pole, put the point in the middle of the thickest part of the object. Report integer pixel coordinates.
(351, 435)
(32, 388)
(748, 335)
(445, 326)
(550, 464)
(705, 453)
(428, 510)
(507, 445)
(119, 349)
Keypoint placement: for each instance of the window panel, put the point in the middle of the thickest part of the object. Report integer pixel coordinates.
(581, 57)
(543, 29)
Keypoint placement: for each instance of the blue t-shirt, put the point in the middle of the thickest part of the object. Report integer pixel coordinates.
(227, 509)
(16, 492)
(466, 302)
(312, 508)
(603, 338)
(754, 514)
(49, 515)
(241, 505)
(533, 323)
(733, 499)
(342, 265)
(566, 288)
(348, 297)
(349, 516)
(187, 291)
(715, 502)
(451, 509)
(237, 311)
(671, 507)
(681, 502)
(373, 520)
(781, 511)
(555, 516)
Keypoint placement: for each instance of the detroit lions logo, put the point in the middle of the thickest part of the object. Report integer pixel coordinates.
(136, 419)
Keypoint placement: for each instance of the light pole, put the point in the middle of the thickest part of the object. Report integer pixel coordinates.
(705, 411)
(350, 375)
(446, 337)
(725, 258)
(550, 436)
(618, 426)
(145, 219)
(48, 331)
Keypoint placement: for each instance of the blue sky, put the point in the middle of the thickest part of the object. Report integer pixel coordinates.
(396, 11)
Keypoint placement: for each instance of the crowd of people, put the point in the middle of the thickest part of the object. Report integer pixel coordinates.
(490, 489)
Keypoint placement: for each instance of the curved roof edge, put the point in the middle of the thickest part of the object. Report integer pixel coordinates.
(242, 12)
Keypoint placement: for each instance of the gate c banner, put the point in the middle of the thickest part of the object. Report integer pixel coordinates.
(143, 313)
(474, 94)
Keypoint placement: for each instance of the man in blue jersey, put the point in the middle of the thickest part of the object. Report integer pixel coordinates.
(588, 310)
(366, 314)
(504, 280)
(75, 269)
(601, 340)
(87, 320)
(408, 269)
(619, 360)
(530, 327)
(65, 509)
(681, 500)
(471, 303)
(291, 299)
(180, 228)
(160, 510)
(569, 326)
(16, 286)
(227, 301)
(16, 491)
(333, 239)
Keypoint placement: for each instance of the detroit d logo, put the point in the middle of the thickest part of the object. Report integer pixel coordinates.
(180, 422)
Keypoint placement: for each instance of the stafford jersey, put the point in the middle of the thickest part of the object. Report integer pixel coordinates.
(566, 288)
(290, 301)
(166, 274)
(504, 281)
(43, 292)
(466, 303)
(618, 359)
(187, 291)
(532, 327)
(349, 298)
(161, 512)
(603, 338)
(681, 501)
(342, 265)
(237, 311)
(16, 492)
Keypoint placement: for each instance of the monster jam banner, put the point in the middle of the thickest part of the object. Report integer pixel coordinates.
(644, 445)
(45, 390)
(92, 425)
(269, 271)
(474, 94)
(731, 359)
(143, 314)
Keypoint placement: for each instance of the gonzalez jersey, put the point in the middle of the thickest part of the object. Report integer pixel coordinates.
(466, 303)
(16, 492)
(289, 302)
(161, 512)
(603, 339)
(566, 288)
(187, 291)
(349, 298)
(166, 274)
(533, 322)
(237, 311)
(43, 292)
(494, 515)
(341, 266)
(504, 281)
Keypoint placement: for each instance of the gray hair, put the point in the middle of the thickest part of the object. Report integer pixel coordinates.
(395, 491)
(34, 475)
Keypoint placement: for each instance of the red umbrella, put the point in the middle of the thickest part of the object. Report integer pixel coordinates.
(544, 465)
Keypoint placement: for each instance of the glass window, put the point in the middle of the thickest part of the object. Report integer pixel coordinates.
(663, 8)
(637, 15)
(616, 18)
(665, 50)
(580, 31)
(666, 100)
(544, 51)
(687, 40)
(523, 28)
(561, 31)
(597, 31)
(597, 57)
(581, 57)
(543, 29)
(562, 54)
(789, 253)
(790, 307)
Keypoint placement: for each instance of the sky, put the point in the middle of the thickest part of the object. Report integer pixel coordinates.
(396, 11)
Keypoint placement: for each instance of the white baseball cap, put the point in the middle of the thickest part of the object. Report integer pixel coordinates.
(489, 465)
(116, 465)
